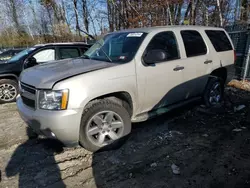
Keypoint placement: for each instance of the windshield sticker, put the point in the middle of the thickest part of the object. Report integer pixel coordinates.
(134, 34)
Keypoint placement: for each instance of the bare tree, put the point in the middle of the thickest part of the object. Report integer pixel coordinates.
(219, 12)
(12, 7)
(75, 2)
(85, 14)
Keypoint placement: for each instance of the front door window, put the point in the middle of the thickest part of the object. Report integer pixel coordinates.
(45, 55)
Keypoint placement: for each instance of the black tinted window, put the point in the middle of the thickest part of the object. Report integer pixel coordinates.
(165, 41)
(68, 53)
(219, 40)
(193, 42)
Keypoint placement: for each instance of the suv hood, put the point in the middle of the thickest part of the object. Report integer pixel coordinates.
(44, 76)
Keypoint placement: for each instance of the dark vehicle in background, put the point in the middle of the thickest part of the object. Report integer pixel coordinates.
(11, 69)
(8, 54)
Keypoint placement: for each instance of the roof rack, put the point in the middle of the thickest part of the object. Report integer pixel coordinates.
(61, 43)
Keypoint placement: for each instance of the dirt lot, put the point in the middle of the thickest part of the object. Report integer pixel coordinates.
(190, 147)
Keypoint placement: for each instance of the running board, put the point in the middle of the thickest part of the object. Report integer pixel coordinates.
(149, 115)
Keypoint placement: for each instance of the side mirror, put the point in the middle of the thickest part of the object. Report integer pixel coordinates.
(154, 56)
(31, 62)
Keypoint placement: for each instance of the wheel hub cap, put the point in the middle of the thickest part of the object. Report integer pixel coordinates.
(7, 92)
(215, 94)
(104, 127)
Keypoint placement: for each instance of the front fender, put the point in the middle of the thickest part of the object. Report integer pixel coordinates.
(122, 85)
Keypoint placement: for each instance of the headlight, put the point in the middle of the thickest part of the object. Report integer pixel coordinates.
(53, 100)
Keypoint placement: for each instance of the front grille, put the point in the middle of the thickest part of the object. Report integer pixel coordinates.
(28, 102)
(28, 95)
(28, 88)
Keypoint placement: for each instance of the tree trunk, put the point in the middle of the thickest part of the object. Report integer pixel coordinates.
(85, 14)
(219, 13)
(178, 17)
(169, 14)
(65, 17)
(14, 16)
(187, 11)
(244, 5)
(35, 16)
(110, 16)
(192, 16)
(76, 16)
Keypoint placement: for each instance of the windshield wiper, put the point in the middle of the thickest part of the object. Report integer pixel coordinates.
(86, 56)
(104, 51)
(97, 42)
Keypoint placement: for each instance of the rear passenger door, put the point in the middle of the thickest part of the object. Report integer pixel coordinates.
(198, 63)
(68, 52)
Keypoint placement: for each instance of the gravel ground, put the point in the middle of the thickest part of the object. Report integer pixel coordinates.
(189, 147)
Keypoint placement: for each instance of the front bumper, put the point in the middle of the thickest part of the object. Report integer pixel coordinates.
(62, 125)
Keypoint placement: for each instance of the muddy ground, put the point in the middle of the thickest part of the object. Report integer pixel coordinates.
(189, 147)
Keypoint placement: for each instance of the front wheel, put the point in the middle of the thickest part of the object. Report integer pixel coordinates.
(214, 92)
(104, 122)
(8, 91)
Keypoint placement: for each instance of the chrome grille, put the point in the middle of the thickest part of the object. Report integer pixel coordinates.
(28, 95)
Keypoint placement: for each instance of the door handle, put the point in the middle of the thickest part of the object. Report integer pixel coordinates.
(208, 61)
(178, 68)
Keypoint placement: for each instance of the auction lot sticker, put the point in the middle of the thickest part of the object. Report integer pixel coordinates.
(134, 35)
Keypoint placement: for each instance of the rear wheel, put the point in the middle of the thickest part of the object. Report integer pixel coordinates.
(214, 92)
(8, 90)
(104, 123)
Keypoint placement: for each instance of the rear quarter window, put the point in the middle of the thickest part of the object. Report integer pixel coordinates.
(219, 40)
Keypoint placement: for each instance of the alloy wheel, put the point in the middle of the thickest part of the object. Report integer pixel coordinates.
(215, 94)
(7, 92)
(104, 127)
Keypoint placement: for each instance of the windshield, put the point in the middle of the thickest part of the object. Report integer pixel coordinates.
(21, 54)
(116, 47)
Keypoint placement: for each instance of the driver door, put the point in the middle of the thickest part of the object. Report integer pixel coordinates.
(160, 84)
(45, 55)
(41, 56)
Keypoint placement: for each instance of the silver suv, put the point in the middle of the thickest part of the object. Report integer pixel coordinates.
(127, 76)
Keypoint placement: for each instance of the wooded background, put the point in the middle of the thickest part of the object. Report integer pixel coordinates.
(28, 22)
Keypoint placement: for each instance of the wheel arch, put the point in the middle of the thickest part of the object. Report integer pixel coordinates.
(124, 97)
(9, 76)
(220, 73)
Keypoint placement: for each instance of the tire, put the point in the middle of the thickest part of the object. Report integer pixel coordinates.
(8, 91)
(214, 92)
(102, 116)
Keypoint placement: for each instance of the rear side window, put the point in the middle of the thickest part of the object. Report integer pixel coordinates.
(194, 43)
(219, 40)
(68, 53)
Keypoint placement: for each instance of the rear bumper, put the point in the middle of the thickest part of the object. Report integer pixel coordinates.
(61, 125)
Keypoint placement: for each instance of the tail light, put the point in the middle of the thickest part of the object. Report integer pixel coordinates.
(235, 56)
